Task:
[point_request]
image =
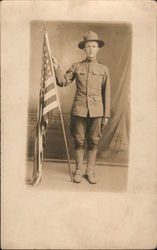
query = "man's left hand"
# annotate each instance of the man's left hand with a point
(104, 121)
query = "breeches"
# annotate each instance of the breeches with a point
(86, 129)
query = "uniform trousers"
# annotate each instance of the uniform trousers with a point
(86, 129)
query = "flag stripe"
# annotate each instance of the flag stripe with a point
(51, 86)
(51, 99)
(49, 81)
(49, 94)
(50, 107)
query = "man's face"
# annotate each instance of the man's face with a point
(91, 49)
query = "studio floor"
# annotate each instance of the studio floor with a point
(56, 177)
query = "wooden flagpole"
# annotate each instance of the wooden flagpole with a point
(38, 151)
(60, 111)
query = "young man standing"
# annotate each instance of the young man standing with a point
(91, 107)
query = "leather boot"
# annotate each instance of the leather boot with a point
(90, 173)
(79, 165)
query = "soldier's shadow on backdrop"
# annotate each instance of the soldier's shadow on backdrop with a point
(116, 55)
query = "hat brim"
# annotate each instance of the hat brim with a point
(81, 45)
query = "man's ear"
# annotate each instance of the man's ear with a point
(84, 50)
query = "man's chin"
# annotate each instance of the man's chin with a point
(91, 57)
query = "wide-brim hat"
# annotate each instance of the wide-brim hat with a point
(90, 36)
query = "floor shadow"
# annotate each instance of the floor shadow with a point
(56, 177)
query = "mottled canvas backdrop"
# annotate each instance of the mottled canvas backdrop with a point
(116, 55)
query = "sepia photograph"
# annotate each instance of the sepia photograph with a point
(78, 124)
(83, 72)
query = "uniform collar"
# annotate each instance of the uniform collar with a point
(90, 61)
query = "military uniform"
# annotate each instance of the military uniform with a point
(91, 104)
(92, 98)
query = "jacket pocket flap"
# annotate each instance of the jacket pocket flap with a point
(97, 72)
(81, 71)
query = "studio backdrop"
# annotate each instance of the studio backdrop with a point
(116, 55)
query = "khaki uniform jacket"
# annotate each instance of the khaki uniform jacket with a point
(92, 88)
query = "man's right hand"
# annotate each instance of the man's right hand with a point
(55, 62)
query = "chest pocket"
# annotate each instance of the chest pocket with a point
(97, 77)
(97, 73)
(81, 76)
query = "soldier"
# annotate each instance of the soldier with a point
(91, 107)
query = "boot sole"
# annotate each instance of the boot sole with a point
(76, 181)
(86, 177)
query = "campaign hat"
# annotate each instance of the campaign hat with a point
(90, 36)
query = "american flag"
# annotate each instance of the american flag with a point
(48, 81)
(48, 101)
